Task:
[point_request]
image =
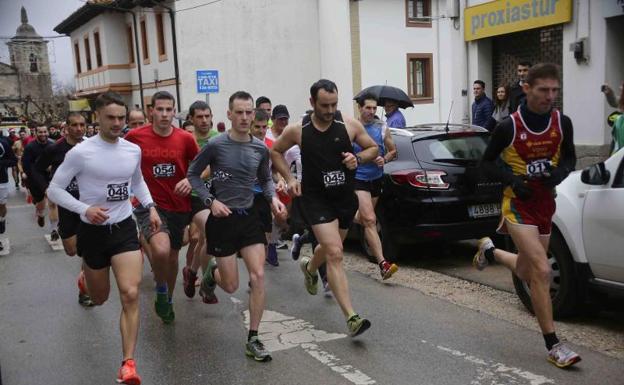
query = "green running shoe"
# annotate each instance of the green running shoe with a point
(208, 283)
(256, 350)
(161, 305)
(311, 280)
(357, 325)
(170, 317)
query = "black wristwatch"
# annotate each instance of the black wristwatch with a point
(358, 159)
(150, 205)
(208, 202)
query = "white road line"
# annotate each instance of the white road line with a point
(492, 373)
(280, 332)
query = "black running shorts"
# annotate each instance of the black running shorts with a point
(227, 235)
(320, 208)
(262, 207)
(197, 205)
(99, 243)
(173, 223)
(69, 222)
(374, 187)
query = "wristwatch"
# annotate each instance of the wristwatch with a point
(358, 159)
(150, 205)
(208, 202)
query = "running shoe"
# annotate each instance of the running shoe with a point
(161, 306)
(170, 317)
(562, 356)
(281, 245)
(327, 289)
(83, 297)
(357, 325)
(386, 269)
(54, 235)
(40, 221)
(295, 249)
(2, 226)
(208, 284)
(311, 280)
(480, 261)
(127, 373)
(271, 257)
(256, 350)
(189, 277)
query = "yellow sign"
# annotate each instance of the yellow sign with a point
(79, 105)
(505, 16)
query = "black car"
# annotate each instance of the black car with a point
(434, 189)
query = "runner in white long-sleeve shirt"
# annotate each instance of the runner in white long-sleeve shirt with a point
(107, 168)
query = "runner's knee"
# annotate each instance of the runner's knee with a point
(368, 219)
(129, 295)
(333, 253)
(257, 278)
(229, 287)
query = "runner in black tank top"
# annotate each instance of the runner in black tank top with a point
(327, 195)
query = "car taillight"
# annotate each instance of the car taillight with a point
(420, 179)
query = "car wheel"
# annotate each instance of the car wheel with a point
(564, 291)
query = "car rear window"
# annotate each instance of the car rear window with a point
(468, 147)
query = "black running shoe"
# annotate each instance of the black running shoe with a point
(40, 221)
(2, 226)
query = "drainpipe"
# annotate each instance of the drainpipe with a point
(175, 53)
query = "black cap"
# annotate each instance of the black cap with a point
(280, 111)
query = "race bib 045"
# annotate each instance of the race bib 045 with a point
(334, 178)
(117, 192)
(163, 170)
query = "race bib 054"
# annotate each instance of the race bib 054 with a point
(163, 170)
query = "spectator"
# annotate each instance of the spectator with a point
(610, 96)
(221, 127)
(516, 93)
(501, 108)
(188, 126)
(394, 117)
(618, 126)
(482, 106)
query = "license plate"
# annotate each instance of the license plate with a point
(484, 210)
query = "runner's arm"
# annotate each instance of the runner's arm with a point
(264, 177)
(281, 145)
(500, 139)
(139, 187)
(63, 176)
(369, 147)
(196, 168)
(9, 159)
(391, 151)
(567, 158)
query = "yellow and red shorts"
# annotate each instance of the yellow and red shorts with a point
(536, 211)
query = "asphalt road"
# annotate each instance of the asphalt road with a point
(47, 338)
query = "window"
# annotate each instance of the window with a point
(145, 48)
(160, 36)
(130, 39)
(420, 77)
(87, 53)
(418, 13)
(98, 51)
(77, 56)
(33, 63)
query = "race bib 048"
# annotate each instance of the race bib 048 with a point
(334, 178)
(163, 170)
(117, 192)
(538, 167)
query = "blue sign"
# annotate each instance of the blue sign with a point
(207, 81)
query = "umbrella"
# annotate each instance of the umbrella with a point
(384, 93)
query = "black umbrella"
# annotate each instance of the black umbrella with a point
(384, 93)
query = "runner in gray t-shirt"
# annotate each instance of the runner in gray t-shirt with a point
(236, 160)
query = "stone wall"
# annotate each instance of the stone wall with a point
(588, 155)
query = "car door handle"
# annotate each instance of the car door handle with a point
(581, 195)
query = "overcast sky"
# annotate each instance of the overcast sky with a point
(43, 15)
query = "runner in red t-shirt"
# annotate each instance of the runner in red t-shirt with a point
(166, 153)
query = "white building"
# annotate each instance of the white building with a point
(278, 48)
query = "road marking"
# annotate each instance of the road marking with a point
(281, 332)
(6, 246)
(491, 373)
